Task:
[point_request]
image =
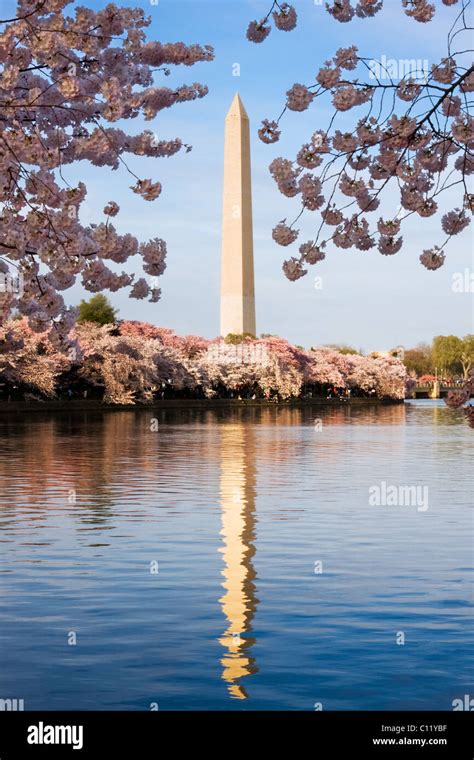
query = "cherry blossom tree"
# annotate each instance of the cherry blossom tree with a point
(461, 399)
(137, 362)
(128, 367)
(66, 80)
(327, 367)
(413, 138)
(189, 345)
(28, 360)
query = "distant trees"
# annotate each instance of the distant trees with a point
(448, 355)
(236, 338)
(343, 348)
(97, 309)
(453, 355)
(446, 350)
(419, 360)
(467, 355)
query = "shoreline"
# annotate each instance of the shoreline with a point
(81, 405)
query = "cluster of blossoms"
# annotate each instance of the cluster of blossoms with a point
(421, 152)
(461, 399)
(345, 10)
(284, 17)
(432, 258)
(28, 359)
(137, 362)
(63, 79)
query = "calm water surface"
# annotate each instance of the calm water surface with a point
(232, 560)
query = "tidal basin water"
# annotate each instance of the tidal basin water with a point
(232, 559)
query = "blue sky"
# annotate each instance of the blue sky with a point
(367, 300)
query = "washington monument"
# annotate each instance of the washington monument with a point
(237, 279)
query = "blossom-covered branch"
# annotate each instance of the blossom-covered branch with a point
(63, 79)
(420, 150)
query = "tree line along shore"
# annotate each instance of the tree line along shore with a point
(131, 362)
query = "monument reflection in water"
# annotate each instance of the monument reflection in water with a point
(89, 500)
(239, 601)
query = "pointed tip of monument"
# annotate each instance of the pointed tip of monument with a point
(237, 108)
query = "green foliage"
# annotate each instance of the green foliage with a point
(447, 350)
(419, 360)
(448, 354)
(97, 309)
(235, 338)
(467, 354)
(343, 348)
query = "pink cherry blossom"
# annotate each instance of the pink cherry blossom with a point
(309, 156)
(285, 19)
(408, 90)
(299, 97)
(310, 188)
(368, 8)
(445, 71)
(111, 209)
(420, 10)
(285, 176)
(345, 97)
(284, 235)
(258, 31)
(332, 216)
(344, 142)
(451, 106)
(346, 58)
(388, 245)
(328, 77)
(147, 189)
(294, 269)
(455, 221)
(341, 10)
(140, 289)
(390, 227)
(432, 258)
(269, 132)
(311, 253)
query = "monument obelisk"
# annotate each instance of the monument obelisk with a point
(237, 279)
